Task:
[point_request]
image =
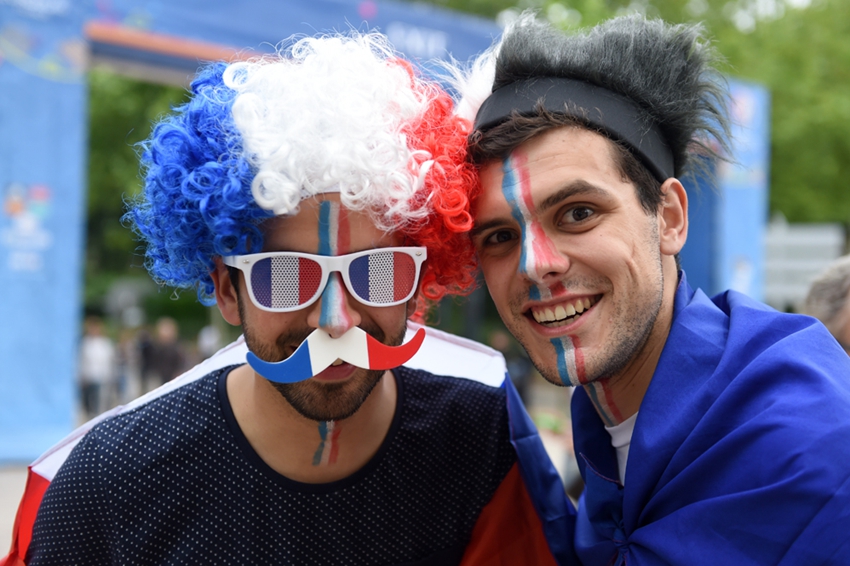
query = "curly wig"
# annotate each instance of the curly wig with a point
(338, 113)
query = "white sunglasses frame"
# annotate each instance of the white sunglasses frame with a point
(329, 264)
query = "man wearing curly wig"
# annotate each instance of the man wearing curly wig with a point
(318, 199)
(707, 430)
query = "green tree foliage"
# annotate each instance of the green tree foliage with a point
(803, 57)
(121, 113)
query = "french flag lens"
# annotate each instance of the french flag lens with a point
(285, 281)
(383, 277)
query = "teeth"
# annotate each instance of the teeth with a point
(561, 312)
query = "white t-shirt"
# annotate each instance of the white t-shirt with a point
(621, 438)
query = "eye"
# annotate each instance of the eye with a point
(499, 237)
(577, 215)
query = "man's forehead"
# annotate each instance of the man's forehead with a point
(324, 225)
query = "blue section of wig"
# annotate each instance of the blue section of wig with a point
(197, 201)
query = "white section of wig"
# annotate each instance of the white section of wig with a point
(330, 111)
(472, 83)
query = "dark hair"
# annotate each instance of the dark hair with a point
(666, 70)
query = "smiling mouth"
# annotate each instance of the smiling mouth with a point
(564, 313)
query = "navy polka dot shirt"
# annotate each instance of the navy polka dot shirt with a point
(176, 482)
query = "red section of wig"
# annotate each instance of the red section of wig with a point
(449, 185)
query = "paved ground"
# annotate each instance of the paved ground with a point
(12, 481)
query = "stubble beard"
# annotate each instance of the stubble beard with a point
(630, 334)
(315, 400)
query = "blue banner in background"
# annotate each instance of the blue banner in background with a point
(44, 50)
(728, 216)
(42, 168)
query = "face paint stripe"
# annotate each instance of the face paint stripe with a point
(609, 402)
(333, 314)
(325, 228)
(320, 451)
(343, 231)
(510, 187)
(561, 354)
(579, 360)
(334, 451)
(593, 392)
(566, 360)
(557, 289)
(532, 231)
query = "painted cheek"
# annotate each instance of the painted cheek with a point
(570, 360)
(539, 255)
(571, 370)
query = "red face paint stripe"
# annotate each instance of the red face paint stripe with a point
(334, 445)
(609, 400)
(558, 289)
(579, 357)
(343, 232)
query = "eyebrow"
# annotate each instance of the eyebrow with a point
(575, 188)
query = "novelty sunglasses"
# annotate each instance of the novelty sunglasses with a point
(289, 281)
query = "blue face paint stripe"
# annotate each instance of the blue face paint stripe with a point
(323, 434)
(325, 228)
(510, 189)
(594, 398)
(561, 354)
(534, 293)
(330, 300)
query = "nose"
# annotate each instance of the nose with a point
(541, 261)
(333, 313)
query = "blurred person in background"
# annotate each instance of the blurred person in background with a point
(97, 368)
(828, 300)
(167, 354)
(708, 430)
(317, 197)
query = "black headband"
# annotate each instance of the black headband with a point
(618, 117)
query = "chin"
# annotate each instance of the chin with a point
(330, 401)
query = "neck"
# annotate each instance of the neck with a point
(618, 397)
(305, 450)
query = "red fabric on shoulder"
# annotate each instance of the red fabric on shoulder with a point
(25, 519)
(508, 531)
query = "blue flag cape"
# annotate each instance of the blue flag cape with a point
(741, 448)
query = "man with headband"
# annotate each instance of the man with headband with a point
(707, 431)
(318, 198)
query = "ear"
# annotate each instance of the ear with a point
(673, 217)
(226, 295)
(412, 305)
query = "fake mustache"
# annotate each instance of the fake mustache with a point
(319, 351)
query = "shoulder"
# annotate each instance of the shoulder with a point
(152, 430)
(453, 397)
